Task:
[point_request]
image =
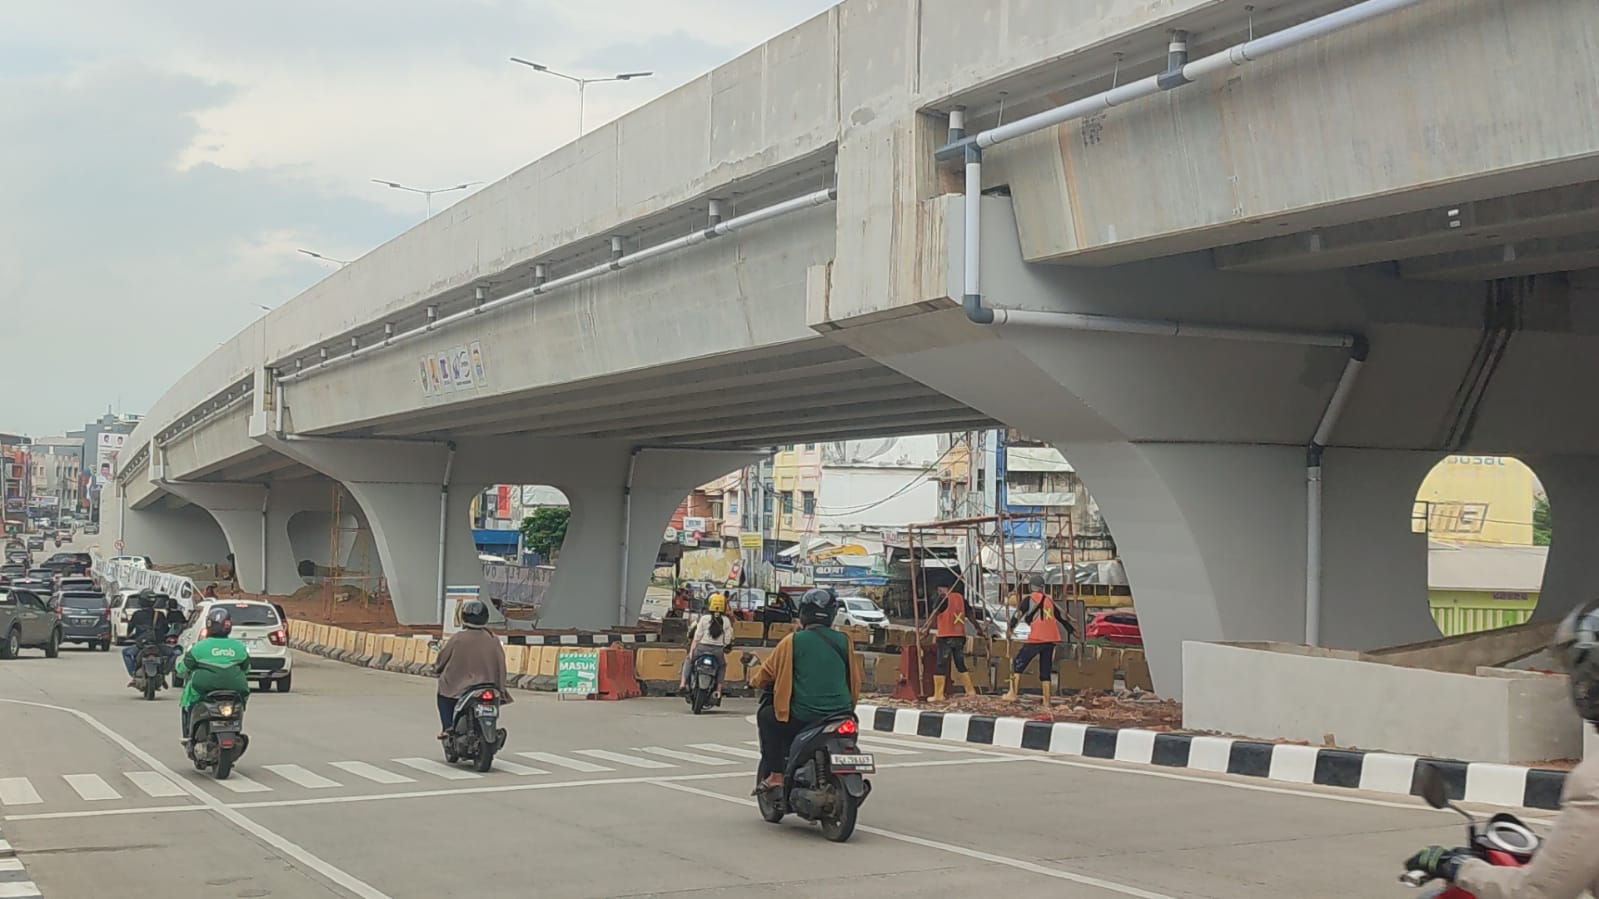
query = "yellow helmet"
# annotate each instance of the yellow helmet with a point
(717, 603)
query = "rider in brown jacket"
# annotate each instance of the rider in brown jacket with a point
(1567, 864)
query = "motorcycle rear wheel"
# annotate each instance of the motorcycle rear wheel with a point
(838, 828)
(225, 763)
(485, 758)
(698, 698)
(150, 684)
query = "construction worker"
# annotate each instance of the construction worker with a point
(949, 622)
(1047, 627)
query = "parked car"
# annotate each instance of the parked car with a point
(26, 621)
(85, 618)
(1115, 627)
(262, 631)
(861, 612)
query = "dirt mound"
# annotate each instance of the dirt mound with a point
(1094, 707)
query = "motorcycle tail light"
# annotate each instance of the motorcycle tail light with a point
(488, 696)
(278, 637)
(847, 727)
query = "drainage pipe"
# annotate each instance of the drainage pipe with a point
(444, 521)
(616, 263)
(627, 532)
(266, 498)
(1313, 516)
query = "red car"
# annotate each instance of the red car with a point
(1115, 627)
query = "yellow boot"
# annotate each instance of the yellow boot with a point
(938, 687)
(1015, 688)
(966, 681)
(1046, 694)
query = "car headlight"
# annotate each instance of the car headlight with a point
(225, 710)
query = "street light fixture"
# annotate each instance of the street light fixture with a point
(425, 192)
(582, 83)
(341, 263)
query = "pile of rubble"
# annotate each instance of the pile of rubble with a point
(1116, 709)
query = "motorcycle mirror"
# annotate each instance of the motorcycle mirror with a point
(1433, 788)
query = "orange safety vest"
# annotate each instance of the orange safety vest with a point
(952, 620)
(1043, 628)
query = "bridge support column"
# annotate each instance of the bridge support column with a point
(1569, 575)
(168, 531)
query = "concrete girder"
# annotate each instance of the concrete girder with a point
(884, 426)
(1524, 257)
(815, 415)
(1559, 211)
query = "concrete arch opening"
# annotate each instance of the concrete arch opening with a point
(1487, 526)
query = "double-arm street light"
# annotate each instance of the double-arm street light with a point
(582, 83)
(425, 192)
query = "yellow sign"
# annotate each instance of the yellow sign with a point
(750, 541)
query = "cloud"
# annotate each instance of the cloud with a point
(170, 157)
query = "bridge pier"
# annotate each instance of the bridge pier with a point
(169, 531)
(1569, 576)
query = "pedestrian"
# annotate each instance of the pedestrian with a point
(949, 624)
(1047, 627)
(210, 591)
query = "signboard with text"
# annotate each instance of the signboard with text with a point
(577, 672)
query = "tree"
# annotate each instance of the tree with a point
(544, 531)
(1542, 524)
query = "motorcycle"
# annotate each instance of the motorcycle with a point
(152, 664)
(475, 733)
(1502, 841)
(702, 693)
(824, 780)
(216, 732)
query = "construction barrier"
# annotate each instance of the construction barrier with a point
(617, 679)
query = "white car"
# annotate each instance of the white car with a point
(123, 605)
(861, 612)
(258, 626)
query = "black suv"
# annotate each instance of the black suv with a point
(69, 564)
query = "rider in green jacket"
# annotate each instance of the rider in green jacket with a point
(214, 662)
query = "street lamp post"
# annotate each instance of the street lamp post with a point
(341, 263)
(427, 193)
(582, 83)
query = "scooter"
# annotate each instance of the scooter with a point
(151, 665)
(1502, 841)
(216, 732)
(824, 780)
(475, 733)
(702, 693)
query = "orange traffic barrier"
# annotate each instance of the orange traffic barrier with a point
(617, 679)
(915, 673)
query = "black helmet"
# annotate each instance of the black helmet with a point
(474, 613)
(1576, 651)
(818, 606)
(218, 623)
(146, 599)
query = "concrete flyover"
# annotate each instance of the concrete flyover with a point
(1252, 268)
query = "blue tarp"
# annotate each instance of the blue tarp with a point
(485, 537)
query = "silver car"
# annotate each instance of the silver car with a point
(26, 620)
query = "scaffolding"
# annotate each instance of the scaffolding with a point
(337, 572)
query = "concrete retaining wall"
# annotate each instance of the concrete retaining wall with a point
(1338, 698)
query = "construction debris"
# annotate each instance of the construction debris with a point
(1122, 708)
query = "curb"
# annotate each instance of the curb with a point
(1482, 782)
(13, 877)
(577, 639)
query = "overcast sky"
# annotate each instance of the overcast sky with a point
(164, 159)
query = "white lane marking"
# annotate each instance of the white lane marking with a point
(19, 889)
(154, 784)
(685, 756)
(438, 769)
(305, 777)
(1018, 864)
(372, 773)
(238, 783)
(91, 787)
(272, 839)
(513, 768)
(561, 761)
(622, 758)
(18, 791)
(463, 791)
(739, 751)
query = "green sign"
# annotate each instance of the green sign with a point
(577, 672)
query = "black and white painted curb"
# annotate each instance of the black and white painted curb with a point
(1484, 782)
(14, 882)
(577, 639)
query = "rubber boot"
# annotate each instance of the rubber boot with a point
(1014, 692)
(966, 681)
(938, 687)
(1046, 694)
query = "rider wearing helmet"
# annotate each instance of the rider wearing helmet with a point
(811, 676)
(471, 657)
(141, 623)
(215, 662)
(1567, 864)
(712, 633)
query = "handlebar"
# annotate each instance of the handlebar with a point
(1414, 878)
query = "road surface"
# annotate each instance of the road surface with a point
(341, 794)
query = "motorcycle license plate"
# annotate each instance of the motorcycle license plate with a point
(862, 763)
(485, 711)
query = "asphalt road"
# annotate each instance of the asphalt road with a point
(337, 797)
